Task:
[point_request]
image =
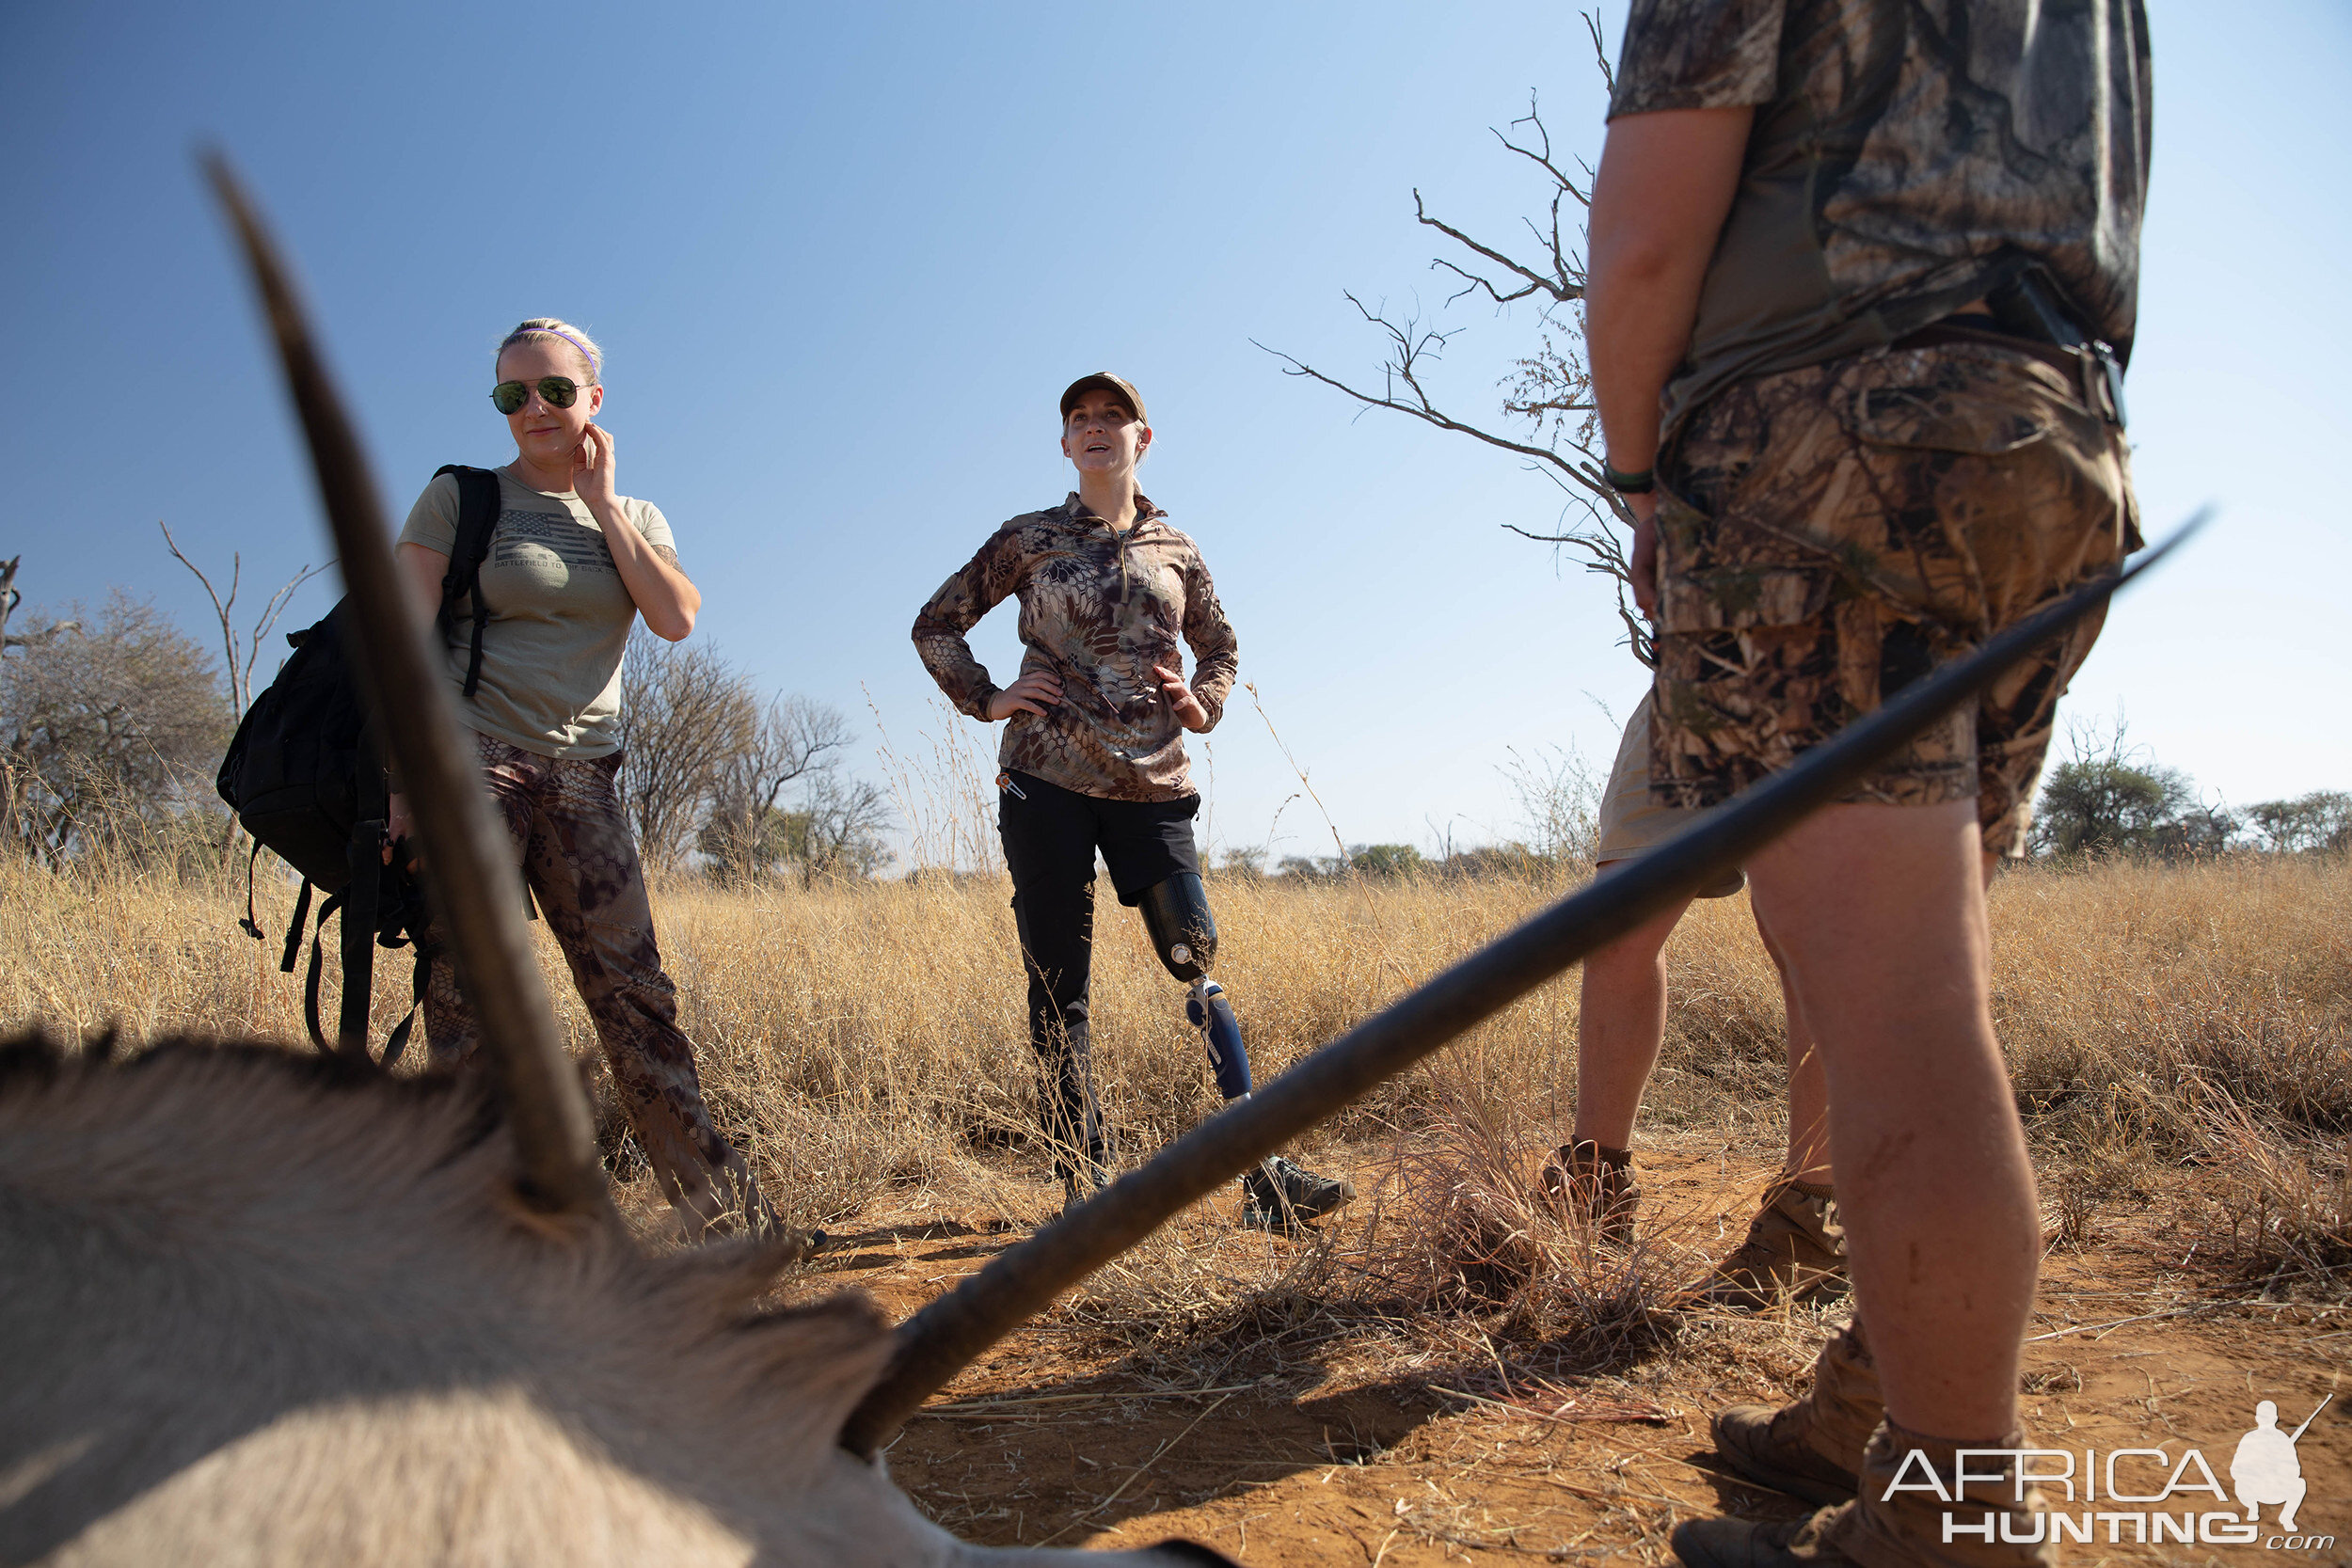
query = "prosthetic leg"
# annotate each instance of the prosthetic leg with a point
(1277, 1195)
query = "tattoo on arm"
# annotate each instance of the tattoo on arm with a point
(666, 554)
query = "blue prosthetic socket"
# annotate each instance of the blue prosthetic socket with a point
(1207, 1011)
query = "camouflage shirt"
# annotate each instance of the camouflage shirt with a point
(1098, 610)
(1907, 156)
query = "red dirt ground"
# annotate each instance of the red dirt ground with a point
(1332, 1441)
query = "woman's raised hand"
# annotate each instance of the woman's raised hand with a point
(1188, 709)
(1023, 695)
(593, 467)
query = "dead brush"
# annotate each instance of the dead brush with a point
(1199, 1303)
(1462, 1228)
(2276, 1211)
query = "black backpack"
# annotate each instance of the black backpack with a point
(305, 775)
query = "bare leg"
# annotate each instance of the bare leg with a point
(1809, 1085)
(1620, 1025)
(1880, 913)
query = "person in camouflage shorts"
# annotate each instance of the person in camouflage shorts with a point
(572, 843)
(1863, 278)
(1829, 533)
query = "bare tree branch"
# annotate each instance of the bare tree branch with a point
(1604, 555)
(240, 669)
(1560, 275)
(1409, 344)
(795, 740)
(1549, 388)
(685, 711)
(10, 599)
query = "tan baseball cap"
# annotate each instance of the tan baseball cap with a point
(1108, 383)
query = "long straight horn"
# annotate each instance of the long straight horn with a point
(946, 1335)
(473, 870)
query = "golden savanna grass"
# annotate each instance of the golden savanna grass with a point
(868, 1036)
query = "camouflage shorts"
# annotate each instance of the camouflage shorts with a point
(1827, 535)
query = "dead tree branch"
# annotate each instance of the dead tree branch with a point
(240, 669)
(1560, 277)
(1549, 388)
(10, 599)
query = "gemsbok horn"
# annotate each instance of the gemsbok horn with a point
(954, 1330)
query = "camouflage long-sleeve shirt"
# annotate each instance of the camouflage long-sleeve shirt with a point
(1098, 610)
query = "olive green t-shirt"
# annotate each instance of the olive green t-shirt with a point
(558, 616)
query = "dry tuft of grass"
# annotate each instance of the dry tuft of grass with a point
(1460, 1225)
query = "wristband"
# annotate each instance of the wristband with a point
(1629, 485)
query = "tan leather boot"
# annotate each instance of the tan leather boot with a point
(1812, 1448)
(1795, 1251)
(1588, 1182)
(1930, 1522)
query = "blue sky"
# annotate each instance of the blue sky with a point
(844, 258)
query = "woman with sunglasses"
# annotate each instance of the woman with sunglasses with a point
(1093, 761)
(571, 564)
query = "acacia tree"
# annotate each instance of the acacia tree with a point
(685, 713)
(709, 765)
(2111, 797)
(747, 831)
(1548, 417)
(104, 725)
(837, 830)
(2319, 820)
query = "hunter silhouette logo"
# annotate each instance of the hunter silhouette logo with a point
(2267, 1471)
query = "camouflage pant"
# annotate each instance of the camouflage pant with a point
(1827, 535)
(572, 841)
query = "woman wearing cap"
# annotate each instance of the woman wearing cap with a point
(571, 564)
(1093, 759)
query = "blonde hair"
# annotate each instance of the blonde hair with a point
(549, 326)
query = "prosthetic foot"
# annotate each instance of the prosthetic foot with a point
(1277, 1196)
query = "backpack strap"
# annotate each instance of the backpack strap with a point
(360, 900)
(478, 502)
(249, 926)
(419, 978)
(295, 927)
(311, 986)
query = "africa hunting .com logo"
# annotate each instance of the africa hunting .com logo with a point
(2266, 1471)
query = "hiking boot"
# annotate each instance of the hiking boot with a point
(1813, 1448)
(1721, 1542)
(1589, 1183)
(1914, 1526)
(1279, 1196)
(1795, 1251)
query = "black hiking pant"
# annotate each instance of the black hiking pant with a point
(1051, 836)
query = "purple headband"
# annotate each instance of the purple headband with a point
(522, 332)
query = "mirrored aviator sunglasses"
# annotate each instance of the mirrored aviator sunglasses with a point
(561, 391)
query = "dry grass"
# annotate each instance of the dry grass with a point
(865, 1039)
